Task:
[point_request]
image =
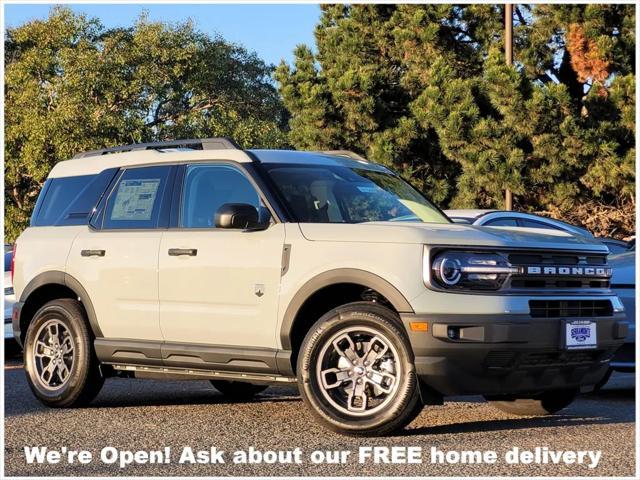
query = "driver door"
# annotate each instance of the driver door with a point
(217, 287)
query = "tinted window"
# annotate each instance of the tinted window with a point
(207, 188)
(80, 210)
(501, 222)
(59, 193)
(533, 224)
(136, 199)
(342, 194)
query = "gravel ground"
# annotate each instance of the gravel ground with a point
(148, 415)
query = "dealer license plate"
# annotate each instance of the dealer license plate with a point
(580, 334)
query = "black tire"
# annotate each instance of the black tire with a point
(238, 390)
(545, 403)
(84, 379)
(396, 409)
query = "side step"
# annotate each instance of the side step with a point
(175, 373)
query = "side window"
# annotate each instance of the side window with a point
(207, 188)
(533, 224)
(501, 222)
(59, 194)
(136, 199)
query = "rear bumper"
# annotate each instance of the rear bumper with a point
(508, 353)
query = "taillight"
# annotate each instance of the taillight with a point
(13, 261)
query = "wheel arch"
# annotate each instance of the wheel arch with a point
(340, 279)
(48, 286)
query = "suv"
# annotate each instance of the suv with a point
(196, 259)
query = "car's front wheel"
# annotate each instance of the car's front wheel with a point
(61, 366)
(355, 371)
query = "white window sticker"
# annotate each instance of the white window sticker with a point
(134, 199)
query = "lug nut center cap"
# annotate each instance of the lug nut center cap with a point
(359, 370)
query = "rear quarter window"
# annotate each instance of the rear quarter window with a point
(57, 195)
(70, 200)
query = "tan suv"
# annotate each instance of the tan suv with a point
(195, 259)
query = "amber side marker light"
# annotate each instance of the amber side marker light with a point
(419, 326)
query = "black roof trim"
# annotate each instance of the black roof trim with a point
(218, 143)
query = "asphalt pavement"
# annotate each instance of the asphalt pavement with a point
(133, 415)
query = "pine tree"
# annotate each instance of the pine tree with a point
(425, 90)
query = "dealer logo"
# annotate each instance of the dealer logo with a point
(580, 334)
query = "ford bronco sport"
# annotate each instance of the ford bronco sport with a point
(249, 268)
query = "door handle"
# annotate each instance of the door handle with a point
(92, 253)
(177, 252)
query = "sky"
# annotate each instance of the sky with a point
(272, 31)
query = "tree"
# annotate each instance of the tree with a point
(72, 85)
(424, 89)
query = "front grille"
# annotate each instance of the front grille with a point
(552, 359)
(556, 259)
(570, 308)
(499, 359)
(559, 271)
(542, 283)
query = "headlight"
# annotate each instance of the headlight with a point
(458, 270)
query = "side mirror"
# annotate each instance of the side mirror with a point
(241, 216)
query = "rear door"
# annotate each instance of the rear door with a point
(116, 258)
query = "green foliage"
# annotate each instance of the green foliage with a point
(71, 85)
(425, 90)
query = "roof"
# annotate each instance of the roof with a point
(93, 164)
(96, 164)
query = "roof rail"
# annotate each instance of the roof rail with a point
(219, 143)
(345, 153)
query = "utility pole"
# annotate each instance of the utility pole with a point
(508, 54)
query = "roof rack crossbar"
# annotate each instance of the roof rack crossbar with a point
(345, 153)
(218, 143)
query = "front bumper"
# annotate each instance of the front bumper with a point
(508, 353)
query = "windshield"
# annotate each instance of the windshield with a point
(340, 194)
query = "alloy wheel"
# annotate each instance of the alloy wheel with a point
(358, 371)
(52, 354)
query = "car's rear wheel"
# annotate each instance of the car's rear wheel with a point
(356, 373)
(61, 366)
(238, 390)
(545, 403)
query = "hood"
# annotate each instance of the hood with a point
(448, 234)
